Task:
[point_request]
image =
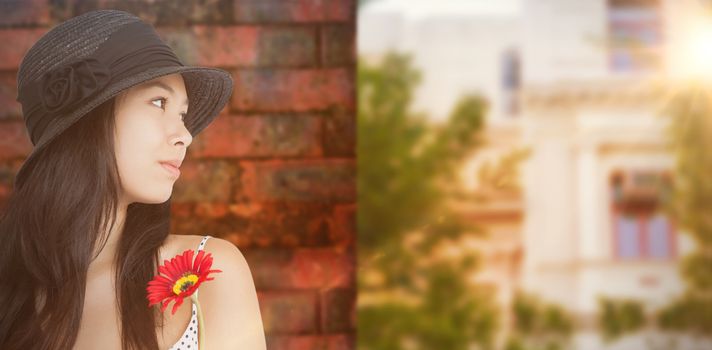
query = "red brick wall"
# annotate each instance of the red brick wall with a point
(275, 172)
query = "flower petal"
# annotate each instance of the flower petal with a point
(195, 263)
(178, 263)
(162, 288)
(206, 263)
(178, 302)
(168, 270)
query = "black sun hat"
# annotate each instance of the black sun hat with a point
(90, 58)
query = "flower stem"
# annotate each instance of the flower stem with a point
(201, 322)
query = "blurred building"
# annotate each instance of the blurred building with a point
(596, 183)
(579, 83)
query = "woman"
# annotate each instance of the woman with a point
(111, 111)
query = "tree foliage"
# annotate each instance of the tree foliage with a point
(416, 297)
(538, 325)
(690, 113)
(620, 316)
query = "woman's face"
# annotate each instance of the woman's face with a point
(149, 131)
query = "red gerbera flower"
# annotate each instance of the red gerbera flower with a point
(182, 277)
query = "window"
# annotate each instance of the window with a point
(641, 230)
(635, 35)
(510, 81)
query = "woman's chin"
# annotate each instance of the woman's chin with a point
(157, 197)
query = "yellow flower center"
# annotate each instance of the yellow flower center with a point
(184, 283)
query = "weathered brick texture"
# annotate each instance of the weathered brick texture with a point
(275, 173)
(295, 90)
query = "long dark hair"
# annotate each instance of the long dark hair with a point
(53, 222)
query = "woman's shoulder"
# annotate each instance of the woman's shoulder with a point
(230, 297)
(217, 247)
(226, 256)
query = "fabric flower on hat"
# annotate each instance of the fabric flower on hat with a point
(183, 276)
(63, 88)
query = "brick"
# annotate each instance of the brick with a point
(340, 133)
(276, 11)
(343, 225)
(338, 45)
(156, 12)
(16, 43)
(281, 224)
(9, 107)
(288, 311)
(23, 13)
(243, 46)
(260, 136)
(14, 140)
(299, 180)
(207, 217)
(209, 180)
(287, 46)
(181, 216)
(340, 10)
(338, 310)
(183, 43)
(296, 90)
(211, 210)
(311, 342)
(214, 46)
(181, 210)
(239, 240)
(8, 170)
(322, 268)
(200, 225)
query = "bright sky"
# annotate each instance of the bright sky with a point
(416, 9)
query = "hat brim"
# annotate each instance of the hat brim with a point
(208, 90)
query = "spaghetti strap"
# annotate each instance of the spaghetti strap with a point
(200, 247)
(202, 243)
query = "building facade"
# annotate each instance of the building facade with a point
(596, 76)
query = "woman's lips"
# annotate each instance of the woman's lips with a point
(175, 172)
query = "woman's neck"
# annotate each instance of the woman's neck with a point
(108, 252)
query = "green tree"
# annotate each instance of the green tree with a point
(538, 325)
(411, 297)
(690, 113)
(619, 316)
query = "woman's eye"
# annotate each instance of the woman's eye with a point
(163, 106)
(163, 99)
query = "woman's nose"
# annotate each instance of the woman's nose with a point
(183, 134)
